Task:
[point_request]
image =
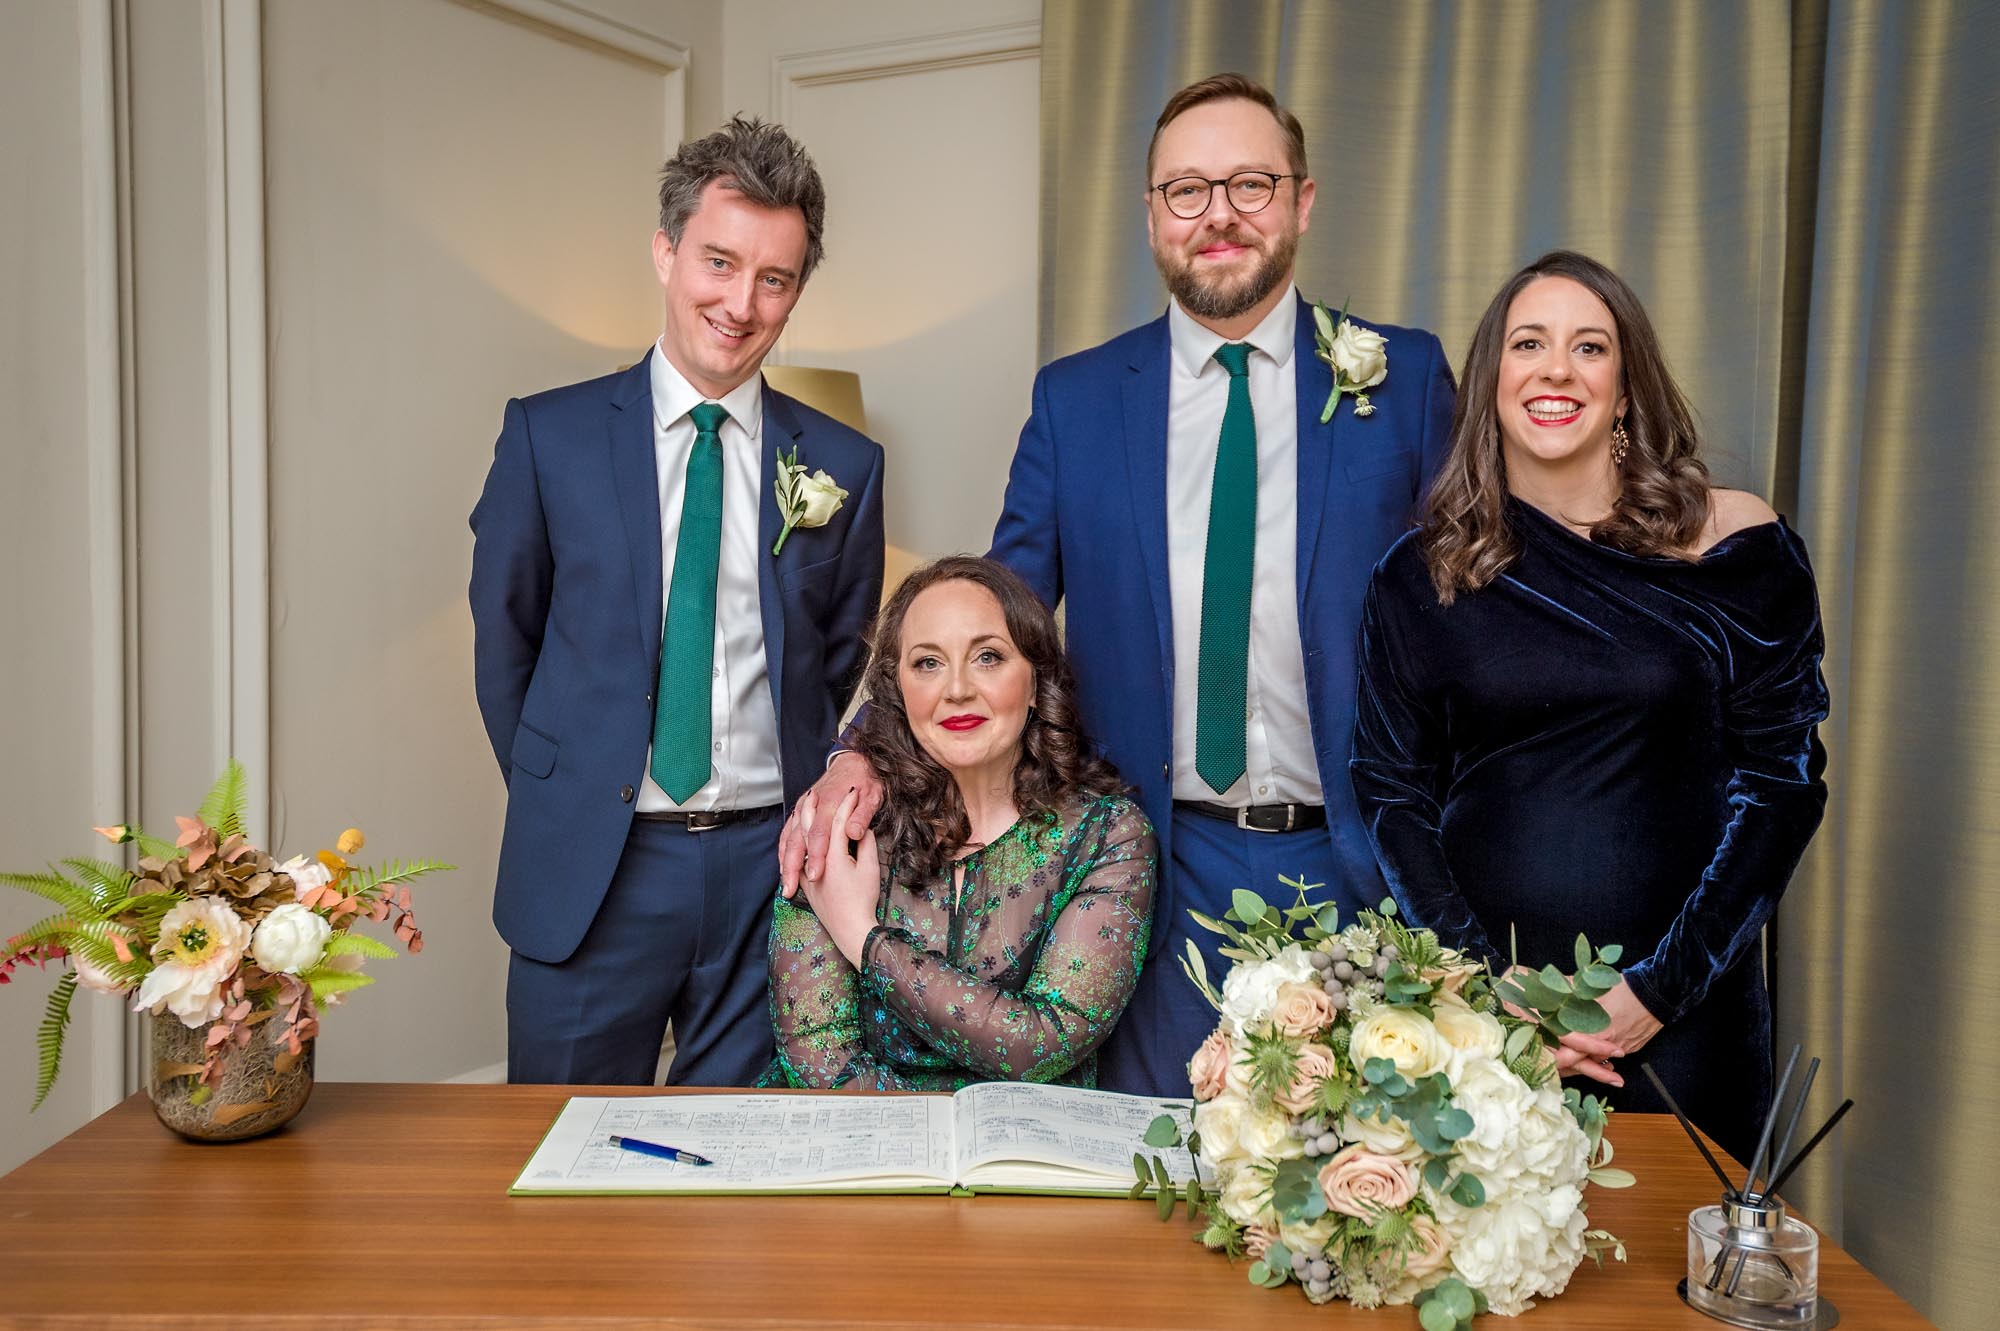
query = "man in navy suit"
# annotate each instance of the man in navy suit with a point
(656, 682)
(1213, 539)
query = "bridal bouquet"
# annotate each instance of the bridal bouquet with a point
(213, 930)
(1381, 1118)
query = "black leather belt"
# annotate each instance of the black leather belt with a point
(701, 820)
(1261, 817)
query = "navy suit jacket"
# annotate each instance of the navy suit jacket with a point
(1085, 519)
(566, 614)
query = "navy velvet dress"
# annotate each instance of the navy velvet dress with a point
(1612, 744)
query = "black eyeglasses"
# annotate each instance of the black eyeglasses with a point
(1248, 192)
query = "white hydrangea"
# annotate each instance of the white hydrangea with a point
(1520, 1247)
(1250, 991)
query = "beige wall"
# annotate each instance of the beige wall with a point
(924, 118)
(306, 252)
(54, 759)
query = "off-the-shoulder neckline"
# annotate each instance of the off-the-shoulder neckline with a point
(1724, 546)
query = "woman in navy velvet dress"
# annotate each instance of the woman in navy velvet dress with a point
(1589, 691)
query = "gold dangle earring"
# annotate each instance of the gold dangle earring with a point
(1621, 443)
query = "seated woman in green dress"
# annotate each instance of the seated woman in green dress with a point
(991, 927)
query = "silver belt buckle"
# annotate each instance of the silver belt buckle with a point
(703, 820)
(1291, 818)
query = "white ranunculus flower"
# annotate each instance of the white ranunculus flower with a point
(290, 939)
(1402, 1035)
(1250, 991)
(1360, 354)
(1220, 1124)
(201, 942)
(307, 875)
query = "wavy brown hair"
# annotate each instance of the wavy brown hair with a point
(923, 823)
(1663, 494)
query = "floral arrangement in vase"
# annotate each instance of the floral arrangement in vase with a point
(1378, 1119)
(237, 946)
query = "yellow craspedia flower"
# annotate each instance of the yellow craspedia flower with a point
(350, 841)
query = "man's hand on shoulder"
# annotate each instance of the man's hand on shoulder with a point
(802, 845)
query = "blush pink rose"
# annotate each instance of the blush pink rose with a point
(1359, 1183)
(1257, 1240)
(1432, 1252)
(1208, 1070)
(1302, 1009)
(1315, 1065)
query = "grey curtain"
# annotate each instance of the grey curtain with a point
(1804, 196)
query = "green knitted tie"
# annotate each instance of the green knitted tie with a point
(681, 728)
(1221, 687)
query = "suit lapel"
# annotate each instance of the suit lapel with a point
(1146, 391)
(1316, 448)
(781, 432)
(635, 470)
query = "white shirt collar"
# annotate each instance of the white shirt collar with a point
(1194, 346)
(674, 397)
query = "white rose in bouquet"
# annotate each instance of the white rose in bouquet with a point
(1219, 1122)
(290, 939)
(307, 875)
(1250, 991)
(1245, 1196)
(1268, 1136)
(1470, 1034)
(1392, 1139)
(1403, 1036)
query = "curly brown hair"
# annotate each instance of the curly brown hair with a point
(923, 823)
(1663, 497)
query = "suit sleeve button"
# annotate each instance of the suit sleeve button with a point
(626, 794)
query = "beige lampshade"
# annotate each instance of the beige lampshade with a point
(835, 392)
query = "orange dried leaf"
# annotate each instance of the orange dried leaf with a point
(224, 1115)
(166, 1070)
(260, 1016)
(284, 1062)
(216, 1035)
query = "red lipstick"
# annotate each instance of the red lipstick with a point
(966, 722)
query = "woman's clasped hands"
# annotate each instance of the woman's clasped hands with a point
(845, 894)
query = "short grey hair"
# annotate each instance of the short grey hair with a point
(758, 160)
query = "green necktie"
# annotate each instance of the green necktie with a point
(1221, 686)
(681, 729)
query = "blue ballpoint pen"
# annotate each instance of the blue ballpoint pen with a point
(663, 1152)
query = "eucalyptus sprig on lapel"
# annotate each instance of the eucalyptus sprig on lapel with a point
(804, 501)
(1359, 357)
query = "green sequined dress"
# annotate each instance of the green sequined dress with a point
(1021, 980)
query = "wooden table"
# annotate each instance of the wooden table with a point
(386, 1206)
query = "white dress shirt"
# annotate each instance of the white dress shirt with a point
(1280, 766)
(743, 722)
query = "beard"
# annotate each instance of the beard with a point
(1225, 297)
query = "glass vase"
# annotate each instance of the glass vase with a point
(1752, 1265)
(261, 1088)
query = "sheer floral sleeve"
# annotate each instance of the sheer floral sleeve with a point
(816, 1009)
(1020, 978)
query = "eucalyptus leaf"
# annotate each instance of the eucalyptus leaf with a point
(1586, 1016)
(1166, 1205)
(1454, 1123)
(1138, 1190)
(1162, 1132)
(1160, 1175)
(1434, 1316)
(1610, 952)
(1468, 1191)
(1258, 1271)
(1517, 1041)
(1247, 905)
(1457, 1299)
(1436, 1170)
(1600, 975)
(1582, 952)
(1554, 979)
(1607, 1177)
(1139, 1168)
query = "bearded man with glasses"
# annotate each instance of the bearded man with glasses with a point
(1213, 539)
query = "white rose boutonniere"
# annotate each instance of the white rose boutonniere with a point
(1359, 357)
(804, 501)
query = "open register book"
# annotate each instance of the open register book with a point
(989, 1137)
